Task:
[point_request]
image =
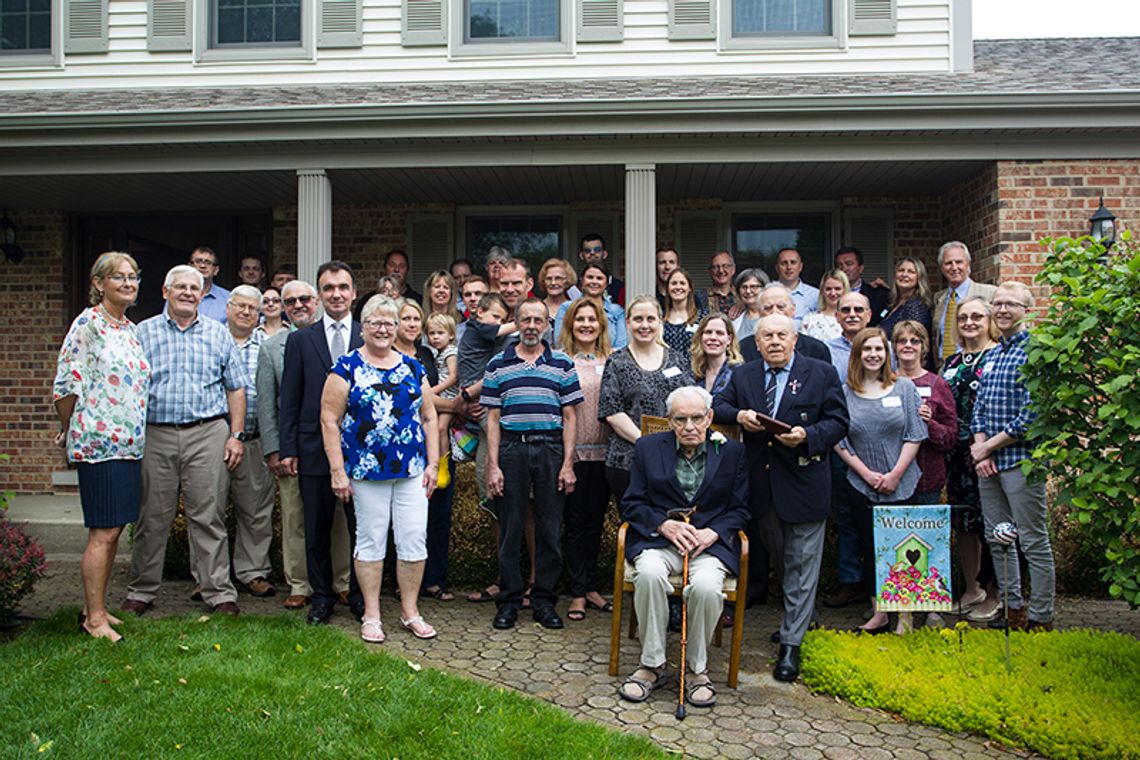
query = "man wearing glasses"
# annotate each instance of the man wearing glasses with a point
(720, 296)
(592, 249)
(214, 296)
(1002, 415)
(954, 261)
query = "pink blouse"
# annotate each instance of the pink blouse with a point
(592, 433)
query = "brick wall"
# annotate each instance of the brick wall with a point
(917, 226)
(33, 312)
(970, 214)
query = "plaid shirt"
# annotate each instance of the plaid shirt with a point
(191, 369)
(1003, 404)
(249, 351)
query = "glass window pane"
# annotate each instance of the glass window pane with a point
(40, 6)
(259, 24)
(13, 6)
(231, 25)
(14, 32)
(534, 238)
(513, 19)
(288, 24)
(39, 31)
(758, 238)
(782, 17)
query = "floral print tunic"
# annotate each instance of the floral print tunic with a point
(381, 434)
(102, 364)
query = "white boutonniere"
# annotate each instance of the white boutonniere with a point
(717, 439)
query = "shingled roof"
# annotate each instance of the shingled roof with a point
(1022, 67)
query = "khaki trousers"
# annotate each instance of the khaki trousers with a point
(704, 596)
(251, 490)
(293, 541)
(187, 461)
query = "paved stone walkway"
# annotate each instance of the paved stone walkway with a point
(762, 718)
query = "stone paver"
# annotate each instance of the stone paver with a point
(761, 718)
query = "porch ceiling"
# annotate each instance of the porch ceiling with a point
(481, 186)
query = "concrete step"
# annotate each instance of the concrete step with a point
(57, 523)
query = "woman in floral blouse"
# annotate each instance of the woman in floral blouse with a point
(375, 409)
(100, 393)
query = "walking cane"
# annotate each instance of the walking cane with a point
(1005, 534)
(683, 514)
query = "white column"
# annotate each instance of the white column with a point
(314, 222)
(640, 229)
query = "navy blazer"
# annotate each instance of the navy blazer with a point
(307, 365)
(796, 482)
(721, 499)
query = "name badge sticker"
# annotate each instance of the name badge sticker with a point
(670, 372)
(600, 369)
(891, 402)
(924, 391)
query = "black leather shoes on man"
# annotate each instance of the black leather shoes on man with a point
(547, 617)
(319, 614)
(788, 664)
(505, 617)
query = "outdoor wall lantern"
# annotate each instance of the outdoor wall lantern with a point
(12, 252)
(1102, 225)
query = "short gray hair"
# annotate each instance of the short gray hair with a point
(500, 254)
(294, 284)
(246, 291)
(953, 244)
(751, 274)
(688, 390)
(379, 303)
(783, 318)
(182, 269)
(775, 287)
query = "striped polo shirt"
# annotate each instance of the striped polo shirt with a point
(530, 397)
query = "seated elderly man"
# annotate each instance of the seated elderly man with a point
(683, 470)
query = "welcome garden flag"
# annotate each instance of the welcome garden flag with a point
(912, 558)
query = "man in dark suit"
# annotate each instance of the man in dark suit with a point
(685, 469)
(309, 355)
(790, 474)
(849, 259)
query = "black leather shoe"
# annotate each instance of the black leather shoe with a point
(547, 617)
(674, 615)
(319, 614)
(788, 665)
(505, 618)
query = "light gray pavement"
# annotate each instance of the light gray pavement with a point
(762, 718)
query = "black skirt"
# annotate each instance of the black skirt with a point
(110, 492)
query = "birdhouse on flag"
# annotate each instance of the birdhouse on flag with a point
(912, 550)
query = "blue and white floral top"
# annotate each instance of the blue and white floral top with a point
(381, 434)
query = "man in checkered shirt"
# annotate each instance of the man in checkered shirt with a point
(1002, 415)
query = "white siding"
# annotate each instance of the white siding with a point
(921, 45)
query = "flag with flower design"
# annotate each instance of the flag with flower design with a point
(912, 558)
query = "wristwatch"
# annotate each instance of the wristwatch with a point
(241, 436)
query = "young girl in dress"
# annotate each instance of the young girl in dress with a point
(441, 337)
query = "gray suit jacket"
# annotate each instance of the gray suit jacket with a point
(270, 366)
(939, 315)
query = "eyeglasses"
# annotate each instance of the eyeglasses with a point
(119, 279)
(681, 420)
(721, 267)
(850, 309)
(380, 324)
(910, 341)
(293, 300)
(243, 307)
(1008, 305)
(270, 300)
(749, 287)
(967, 317)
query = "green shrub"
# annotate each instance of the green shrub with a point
(1072, 694)
(1083, 374)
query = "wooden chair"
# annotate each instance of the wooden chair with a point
(735, 589)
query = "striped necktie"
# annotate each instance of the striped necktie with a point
(770, 392)
(950, 327)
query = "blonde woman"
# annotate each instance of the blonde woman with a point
(824, 324)
(909, 297)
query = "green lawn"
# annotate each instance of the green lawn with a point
(264, 687)
(1072, 694)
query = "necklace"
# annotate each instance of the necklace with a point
(113, 319)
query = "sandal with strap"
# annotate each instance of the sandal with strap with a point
(419, 627)
(438, 592)
(697, 684)
(371, 631)
(641, 684)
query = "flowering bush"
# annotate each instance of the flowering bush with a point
(22, 561)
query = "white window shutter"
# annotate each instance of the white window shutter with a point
(430, 245)
(692, 19)
(872, 17)
(424, 22)
(872, 231)
(697, 238)
(168, 25)
(601, 20)
(339, 24)
(85, 26)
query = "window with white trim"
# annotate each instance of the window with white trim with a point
(25, 27)
(781, 18)
(512, 20)
(245, 23)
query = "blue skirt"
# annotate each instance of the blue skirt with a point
(110, 492)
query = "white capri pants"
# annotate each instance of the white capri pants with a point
(401, 503)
